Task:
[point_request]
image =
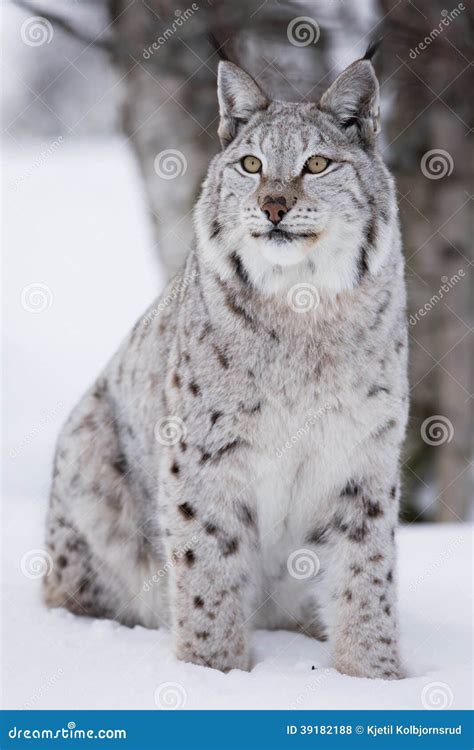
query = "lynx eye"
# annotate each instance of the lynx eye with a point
(316, 164)
(251, 164)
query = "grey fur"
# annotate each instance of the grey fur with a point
(231, 431)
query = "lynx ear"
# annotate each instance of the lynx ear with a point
(353, 99)
(239, 98)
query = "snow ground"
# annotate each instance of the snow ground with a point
(75, 224)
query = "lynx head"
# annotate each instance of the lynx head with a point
(299, 191)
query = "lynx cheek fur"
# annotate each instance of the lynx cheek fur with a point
(251, 424)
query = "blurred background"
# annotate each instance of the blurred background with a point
(109, 121)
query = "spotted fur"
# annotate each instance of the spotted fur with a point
(232, 431)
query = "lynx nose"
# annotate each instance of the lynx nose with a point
(275, 208)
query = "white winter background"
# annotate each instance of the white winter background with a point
(80, 267)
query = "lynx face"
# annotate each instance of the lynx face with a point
(299, 190)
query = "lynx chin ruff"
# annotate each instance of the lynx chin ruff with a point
(236, 464)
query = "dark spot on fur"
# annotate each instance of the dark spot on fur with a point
(393, 492)
(215, 416)
(227, 448)
(357, 533)
(176, 380)
(198, 602)
(205, 331)
(377, 581)
(319, 535)
(120, 464)
(339, 524)
(246, 515)
(215, 229)
(250, 409)
(376, 558)
(362, 263)
(387, 610)
(387, 296)
(187, 511)
(274, 335)
(84, 585)
(386, 427)
(351, 489)
(390, 576)
(101, 387)
(356, 570)
(62, 561)
(387, 641)
(236, 308)
(375, 389)
(348, 595)
(372, 509)
(239, 268)
(194, 388)
(221, 358)
(189, 557)
(210, 528)
(174, 467)
(229, 546)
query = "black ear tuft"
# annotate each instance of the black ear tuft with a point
(373, 48)
(218, 48)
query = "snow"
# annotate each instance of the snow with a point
(76, 224)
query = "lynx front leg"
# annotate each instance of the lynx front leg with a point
(211, 542)
(364, 624)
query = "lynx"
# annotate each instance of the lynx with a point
(236, 465)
